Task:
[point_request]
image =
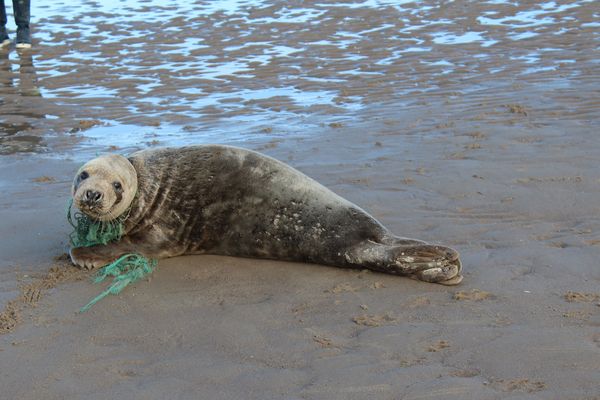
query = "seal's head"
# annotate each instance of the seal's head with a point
(104, 187)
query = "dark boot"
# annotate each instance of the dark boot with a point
(21, 9)
(4, 40)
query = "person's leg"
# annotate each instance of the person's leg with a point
(22, 15)
(3, 34)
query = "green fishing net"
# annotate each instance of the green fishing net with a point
(88, 232)
(126, 269)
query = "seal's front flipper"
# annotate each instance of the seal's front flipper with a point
(97, 256)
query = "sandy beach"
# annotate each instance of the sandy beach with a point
(473, 125)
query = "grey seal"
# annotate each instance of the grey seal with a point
(223, 200)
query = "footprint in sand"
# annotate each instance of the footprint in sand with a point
(519, 385)
(438, 346)
(373, 320)
(473, 295)
(578, 297)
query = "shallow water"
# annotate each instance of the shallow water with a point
(228, 71)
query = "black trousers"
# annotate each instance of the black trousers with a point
(21, 9)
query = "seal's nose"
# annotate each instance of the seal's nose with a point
(92, 196)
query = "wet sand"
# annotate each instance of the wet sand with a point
(490, 148)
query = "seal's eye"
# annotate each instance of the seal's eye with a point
(117, 186)
(84, 175)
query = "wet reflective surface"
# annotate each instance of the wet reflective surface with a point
(19, 95)
(231, 70)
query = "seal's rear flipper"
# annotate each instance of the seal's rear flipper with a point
(421, 261)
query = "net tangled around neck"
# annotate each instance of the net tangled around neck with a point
(128, 268)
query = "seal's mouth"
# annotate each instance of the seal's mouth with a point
(91, 211)
(94, 205)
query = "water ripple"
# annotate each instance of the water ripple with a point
(255, 63)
